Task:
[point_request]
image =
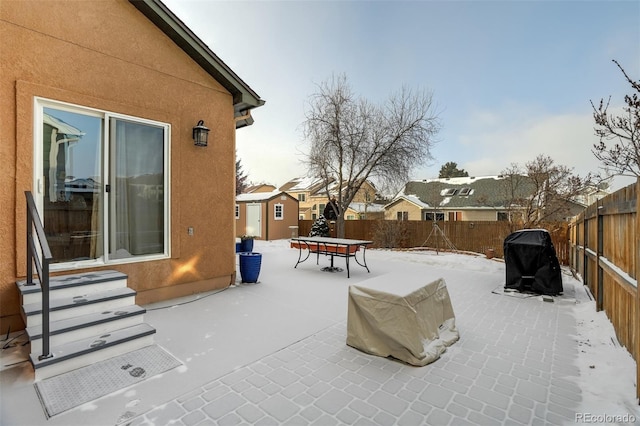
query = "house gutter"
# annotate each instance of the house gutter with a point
(244, 97)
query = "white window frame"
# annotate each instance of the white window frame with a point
(39, 103)
(402, 215)
(278, 215)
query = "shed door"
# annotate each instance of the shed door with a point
(254, 220)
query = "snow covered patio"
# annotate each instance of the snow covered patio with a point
(275, 353)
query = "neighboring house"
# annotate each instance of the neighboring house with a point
(99, 101)
(593, 194)
(263, 187)
(303, 189)
(312, 197)
(266, 215)
(364, 211)
(463, 198)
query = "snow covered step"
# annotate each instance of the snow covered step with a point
(70, 285)
(69, 307)
(81, 353)
(85, 326)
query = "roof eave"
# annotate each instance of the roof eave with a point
(244, 98)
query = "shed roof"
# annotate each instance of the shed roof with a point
(244, 98)
(261, 196)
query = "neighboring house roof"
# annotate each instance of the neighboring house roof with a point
(261, 196)
(315, 186)
(244, 98)
(303, 184)
(263, 187)
(367, 207)
(462, 193)
(409, 198)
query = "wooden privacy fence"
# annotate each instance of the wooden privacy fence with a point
(604, 244)
(478, 237)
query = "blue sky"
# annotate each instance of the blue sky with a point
(510, 79)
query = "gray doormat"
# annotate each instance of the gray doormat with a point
(65, 391)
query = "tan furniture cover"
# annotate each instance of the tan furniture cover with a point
(415, 326)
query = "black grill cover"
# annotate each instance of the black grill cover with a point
(531, 263)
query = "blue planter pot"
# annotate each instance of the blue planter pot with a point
(238, 247)
(250, 266)
(246, 245)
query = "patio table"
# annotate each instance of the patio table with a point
(340, 247)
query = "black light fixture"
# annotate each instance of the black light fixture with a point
(200, 134)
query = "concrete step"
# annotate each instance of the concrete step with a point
(71, 285)
(69, 307)
(84, 326)
(81, 353)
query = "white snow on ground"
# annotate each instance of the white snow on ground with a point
(608, 372)
(293, 312)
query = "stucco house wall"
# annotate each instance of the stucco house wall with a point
(109, 56)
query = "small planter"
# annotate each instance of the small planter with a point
(246, 245)
(250, 266)
(238, 247)
(490, 253)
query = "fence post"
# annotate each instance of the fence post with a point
(599, 251)
(585, 255)
(637, 315)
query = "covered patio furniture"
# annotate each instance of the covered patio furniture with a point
(392, 316)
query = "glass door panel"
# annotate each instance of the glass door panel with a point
(71, 184)
(136, 193)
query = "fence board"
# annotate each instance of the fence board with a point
(604, 244)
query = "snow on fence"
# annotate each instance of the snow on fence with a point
(604, 243)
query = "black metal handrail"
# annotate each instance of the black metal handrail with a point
(42, 266)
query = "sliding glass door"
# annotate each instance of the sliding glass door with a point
(101, 184)
(137, 212)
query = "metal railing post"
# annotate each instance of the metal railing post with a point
(29, 252)
(42, 267)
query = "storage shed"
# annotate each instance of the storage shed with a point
(266, 215)
(531, 263)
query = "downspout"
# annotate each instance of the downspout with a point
(242, 117)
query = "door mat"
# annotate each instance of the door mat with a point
(69, 390)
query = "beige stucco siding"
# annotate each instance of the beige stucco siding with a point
(415, 213)
(107, 55)
(479, 215)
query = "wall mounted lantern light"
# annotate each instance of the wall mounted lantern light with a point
(200, 134)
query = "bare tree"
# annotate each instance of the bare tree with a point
(353, 140)
(619, 147)
(542, 191)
